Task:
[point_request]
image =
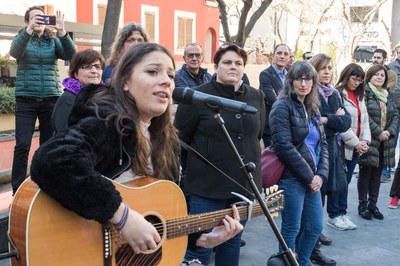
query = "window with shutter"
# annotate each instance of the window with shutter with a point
(185, 30)
(150, 25)
(102, 13)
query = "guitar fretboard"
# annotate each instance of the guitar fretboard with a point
(198, 222)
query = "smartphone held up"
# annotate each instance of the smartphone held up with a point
(48, 20)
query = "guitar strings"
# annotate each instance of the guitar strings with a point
(180, 224)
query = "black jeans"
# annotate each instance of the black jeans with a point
(27, 110)
(369, 182)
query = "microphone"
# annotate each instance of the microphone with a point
(190, 96)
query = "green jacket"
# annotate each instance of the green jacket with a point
(37, 72)
(371, 158)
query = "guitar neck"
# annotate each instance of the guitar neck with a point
(199, 222)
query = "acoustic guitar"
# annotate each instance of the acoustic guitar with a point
(46, 234)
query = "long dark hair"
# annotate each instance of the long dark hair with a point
(352, 69)
(164, 144)
(298, 70)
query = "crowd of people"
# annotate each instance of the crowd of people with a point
(116, 118)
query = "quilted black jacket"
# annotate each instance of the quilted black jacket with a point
(289, 127)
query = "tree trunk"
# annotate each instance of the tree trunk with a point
(110, 28)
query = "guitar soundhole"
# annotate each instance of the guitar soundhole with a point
(125, 256)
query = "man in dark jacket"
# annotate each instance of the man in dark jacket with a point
(192, 74)
(271, 82)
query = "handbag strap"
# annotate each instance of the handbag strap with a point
(207, 162)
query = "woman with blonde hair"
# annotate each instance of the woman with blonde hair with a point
(131, 34)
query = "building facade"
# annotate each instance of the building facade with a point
(172, 23)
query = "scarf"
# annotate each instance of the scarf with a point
(380, 94)
(74, 85)
(325, 91)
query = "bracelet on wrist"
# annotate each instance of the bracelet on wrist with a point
(123, 219)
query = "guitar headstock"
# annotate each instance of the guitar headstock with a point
(275, 200)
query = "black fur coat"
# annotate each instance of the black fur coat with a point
(70, 165)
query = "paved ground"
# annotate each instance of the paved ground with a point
(372, 243)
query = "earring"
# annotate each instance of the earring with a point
(126, 88)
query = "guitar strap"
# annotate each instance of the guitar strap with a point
(204, 160)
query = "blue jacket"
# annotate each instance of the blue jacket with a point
(37, 73)
(289, 127)
(183, 77)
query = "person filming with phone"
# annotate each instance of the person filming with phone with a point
(37, 89)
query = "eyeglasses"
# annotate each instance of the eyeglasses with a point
(90, 66)
(307, 80)
(359, 81)
(197, 55)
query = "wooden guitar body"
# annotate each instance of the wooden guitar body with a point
(46, 234)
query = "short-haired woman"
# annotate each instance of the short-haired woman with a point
(208, 189)
(86, 68)
(37, 50)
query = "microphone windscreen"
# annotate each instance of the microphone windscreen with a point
(183, 95)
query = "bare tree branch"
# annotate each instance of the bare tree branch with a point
(323, 13)
(240, 38)
(255, 17)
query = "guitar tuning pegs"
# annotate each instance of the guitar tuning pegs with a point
(275, 188)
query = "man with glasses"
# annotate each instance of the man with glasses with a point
(379, 58)
(271, 82)
(192, 74)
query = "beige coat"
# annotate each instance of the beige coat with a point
(349, 137)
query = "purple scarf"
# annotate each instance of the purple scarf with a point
(325, 91)
(73, 85)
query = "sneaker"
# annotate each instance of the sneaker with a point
(385, 178)
(393, 202)
(338, 223)
(348, 222)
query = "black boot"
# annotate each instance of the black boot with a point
(364, 212)
(324, 240)
(318, 258)
(375, 212)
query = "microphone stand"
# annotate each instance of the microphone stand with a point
(287, 253)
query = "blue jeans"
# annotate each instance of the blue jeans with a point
(337, 201)
(301, 206)
(27, 110)
(228, 252)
